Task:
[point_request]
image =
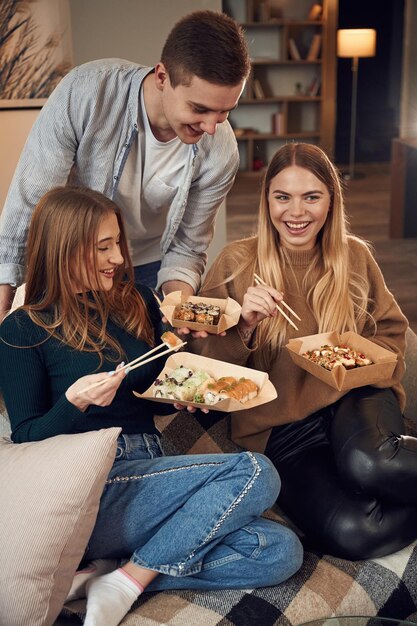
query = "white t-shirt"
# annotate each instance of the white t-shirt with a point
(147, 187)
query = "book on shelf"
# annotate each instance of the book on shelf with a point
(278, 123)
(258, 90)
(315, 12)
(314, 87)
(293, 49)
(263, 13)
(314, 50)
(241, 132)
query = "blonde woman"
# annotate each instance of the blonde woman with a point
(349, 475)
(183, 522)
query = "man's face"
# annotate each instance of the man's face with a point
(194, 109)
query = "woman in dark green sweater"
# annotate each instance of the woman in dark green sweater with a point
(178, 522)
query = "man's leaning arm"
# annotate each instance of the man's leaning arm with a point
(177, 285)
(6, 298)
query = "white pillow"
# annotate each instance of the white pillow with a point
(49, 497)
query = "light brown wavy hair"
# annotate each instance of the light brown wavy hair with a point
(337, 297)
(62, 234)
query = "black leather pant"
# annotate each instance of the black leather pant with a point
(349, 475)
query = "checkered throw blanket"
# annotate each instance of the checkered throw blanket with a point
(323, 587)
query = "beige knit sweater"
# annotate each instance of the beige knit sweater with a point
(299, 393)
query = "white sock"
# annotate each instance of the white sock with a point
(82, 576)
(110, 597)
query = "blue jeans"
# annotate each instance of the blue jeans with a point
(195, 518)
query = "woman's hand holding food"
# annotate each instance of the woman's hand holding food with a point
(81, 396)
(190, 408)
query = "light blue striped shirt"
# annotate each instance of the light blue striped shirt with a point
(85, 130)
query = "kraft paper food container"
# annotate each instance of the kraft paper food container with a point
(217, 369)
(384, 361)
(229, 312)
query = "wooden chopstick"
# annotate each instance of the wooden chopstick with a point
(140, 358)
(138, 362)
(259, 281)
(290, 310)
(153, 357)
(157, 298)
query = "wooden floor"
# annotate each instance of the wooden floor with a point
(368, 206)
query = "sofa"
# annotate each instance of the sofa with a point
(324, 586)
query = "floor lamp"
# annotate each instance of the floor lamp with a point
(355, 43)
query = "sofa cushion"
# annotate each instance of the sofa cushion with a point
(50, 492)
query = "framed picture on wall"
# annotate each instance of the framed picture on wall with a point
(35, 50)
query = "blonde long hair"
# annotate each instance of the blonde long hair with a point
(62, 234)
(337, 297)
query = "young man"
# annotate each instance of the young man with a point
(155, 140)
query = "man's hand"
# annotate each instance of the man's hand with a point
(197, 334)
(177, 285)
(6, 298)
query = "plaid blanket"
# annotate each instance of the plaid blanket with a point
(323, 587)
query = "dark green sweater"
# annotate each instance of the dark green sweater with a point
(34, 380)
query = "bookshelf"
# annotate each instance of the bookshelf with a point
(291, 93)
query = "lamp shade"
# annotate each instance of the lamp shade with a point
(356, 42)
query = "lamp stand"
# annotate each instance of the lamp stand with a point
(350, 174)
(355, 43)
(355, 63)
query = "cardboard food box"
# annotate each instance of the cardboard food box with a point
(229, 312)
(216, 369)
(384, 361)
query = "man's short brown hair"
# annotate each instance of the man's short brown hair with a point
(207, 44)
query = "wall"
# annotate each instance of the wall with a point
(128, 29)
(14, 128)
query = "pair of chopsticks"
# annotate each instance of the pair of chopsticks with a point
(138, 362)
(259, 281)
